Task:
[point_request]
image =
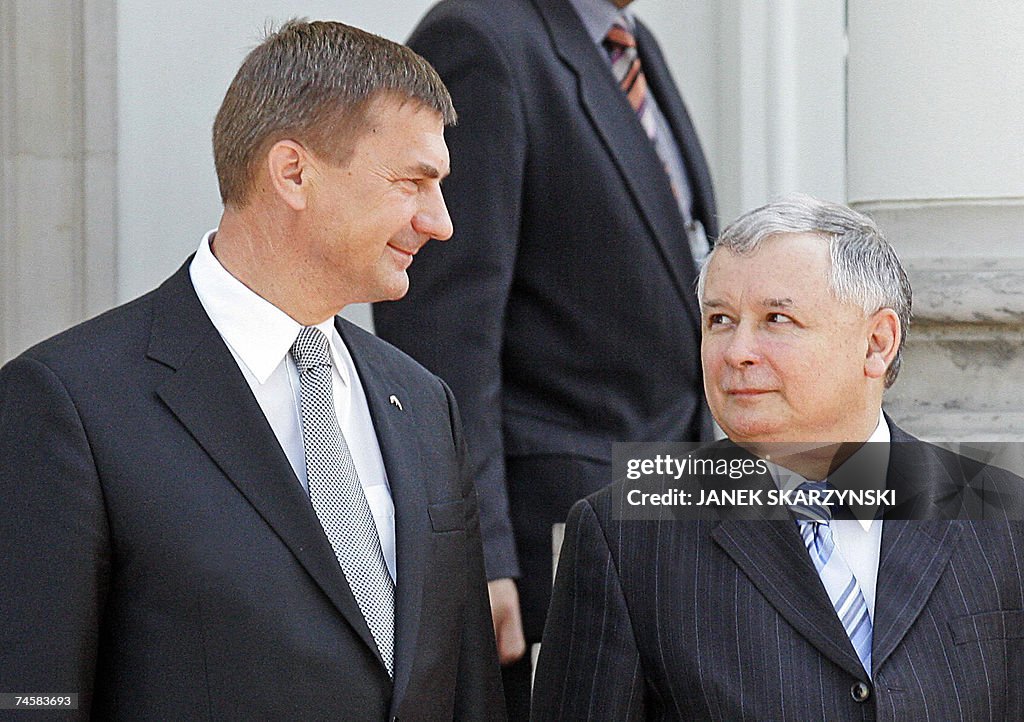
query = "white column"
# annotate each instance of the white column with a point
(57, 171)
(936, 155)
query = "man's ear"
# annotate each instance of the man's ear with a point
(288, 165)
(883, 342)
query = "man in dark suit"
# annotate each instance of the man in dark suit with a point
(810, 614)
(562, 312)
(219, 500)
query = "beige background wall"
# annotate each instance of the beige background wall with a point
(912, 111)
(936, 155)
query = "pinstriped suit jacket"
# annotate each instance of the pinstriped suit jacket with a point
(728, 620)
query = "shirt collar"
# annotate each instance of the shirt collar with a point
(258, 332)
(598, 16)
(867, 467)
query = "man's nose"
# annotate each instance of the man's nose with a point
(433, 219)
(742, 348)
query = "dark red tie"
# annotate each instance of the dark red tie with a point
(621, 46)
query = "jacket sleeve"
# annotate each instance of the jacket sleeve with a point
(479, 694)
(589, 665)
(452, 320)
(53, 538)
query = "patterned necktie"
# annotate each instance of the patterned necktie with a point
(621, 46)
(337, 495)
(816, 529)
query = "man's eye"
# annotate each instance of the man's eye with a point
(718, 319)
(779, 318)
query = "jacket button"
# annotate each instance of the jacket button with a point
(860, 692)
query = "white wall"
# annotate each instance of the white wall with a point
(936, 138)
(937, 100)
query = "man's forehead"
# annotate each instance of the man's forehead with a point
(780, 303)
(410, 135)
(783, 245)
(784, 272)
(785, 258)
(390, 111)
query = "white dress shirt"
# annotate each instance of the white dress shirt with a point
(260, 336)
(858, 540)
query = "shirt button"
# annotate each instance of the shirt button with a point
(860, 692)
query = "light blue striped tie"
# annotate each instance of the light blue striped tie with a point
(814, 521)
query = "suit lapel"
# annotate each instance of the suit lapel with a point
(398, 439)
(914, 554)
(210, 397)
(671, 104)
(771, 553)
(913, 557)
(773, 557)
(615, 121)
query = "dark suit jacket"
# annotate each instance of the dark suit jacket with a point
(163, 561)
(563, 311)
(728, 620)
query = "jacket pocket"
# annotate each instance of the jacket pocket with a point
(1008, 624)
(448, 516)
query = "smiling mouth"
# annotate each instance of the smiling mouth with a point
(748, 392)
(403, 250)
(402, 257)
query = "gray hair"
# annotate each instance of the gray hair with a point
(313, 82)
(865, 270)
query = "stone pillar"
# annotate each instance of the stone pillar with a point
(936, 156)
(57, 176)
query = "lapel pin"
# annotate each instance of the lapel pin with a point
(395, 402)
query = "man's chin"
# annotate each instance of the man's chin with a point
(397, 287)
(752, 429)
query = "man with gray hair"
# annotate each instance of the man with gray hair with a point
(813, 610)
(221, 501)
